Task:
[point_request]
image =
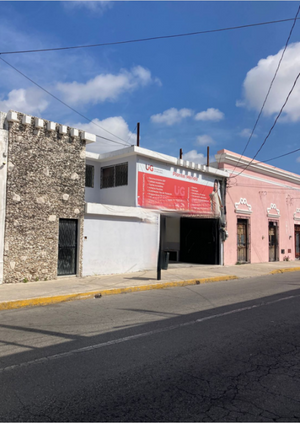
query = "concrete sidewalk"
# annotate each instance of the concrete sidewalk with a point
(72, 288)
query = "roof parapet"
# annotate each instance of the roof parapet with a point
(14, 117)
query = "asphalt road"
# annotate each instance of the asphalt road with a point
(227, 351)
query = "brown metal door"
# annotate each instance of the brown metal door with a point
(242, 240)
(272, 241)
(297, 241)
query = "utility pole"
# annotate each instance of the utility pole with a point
(138, 134)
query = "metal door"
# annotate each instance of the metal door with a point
(67, 247)
(272, 241)
(242, 240)
(297, 241)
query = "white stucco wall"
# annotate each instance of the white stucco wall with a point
(119, 244)
(124, 195)
(3, 179)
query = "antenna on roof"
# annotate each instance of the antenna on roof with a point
(138, 134)
(180, 154)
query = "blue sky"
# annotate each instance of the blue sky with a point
(186, 92)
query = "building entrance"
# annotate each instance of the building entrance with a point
(67, 247)
(297, 242)
(199, 241)
(242, 240)
(273, 241)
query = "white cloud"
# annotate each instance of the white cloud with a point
(204, 140)
(98, 7)
(245, 133)
(298, 159)
(29, 101)
(258, 80)
(210, 114)
(171, 116)
(105, 86)
(116, 125)
(195, 157)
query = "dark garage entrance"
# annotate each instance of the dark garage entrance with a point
(199, 241)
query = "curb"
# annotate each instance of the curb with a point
(42, 301)
(288, 269)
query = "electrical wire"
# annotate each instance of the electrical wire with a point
(278, 157)
(272, 127)
(130, 134)
(161, 37)
(270, 87)
(65, 104)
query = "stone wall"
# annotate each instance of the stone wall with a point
(3, 177)
(45, 182)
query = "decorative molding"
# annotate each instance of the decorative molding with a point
(242, 207)
(297, 212)
(149, 154)
(273, 211)
(228, 157)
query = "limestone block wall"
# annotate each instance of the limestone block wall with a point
(45, 182)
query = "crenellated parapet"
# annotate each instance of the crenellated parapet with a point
(37, 124)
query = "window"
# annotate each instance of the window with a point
(121, 174)
(114, 176)
(89, 176)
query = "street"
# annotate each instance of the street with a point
(226, 351)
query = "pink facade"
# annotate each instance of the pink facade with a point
(262, 211)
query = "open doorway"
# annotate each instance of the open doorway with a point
(273, 241)
(199, 241)
(192, 240)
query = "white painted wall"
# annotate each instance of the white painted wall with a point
(122, 196)
(172, 239)
(3, 179)
(119, 245)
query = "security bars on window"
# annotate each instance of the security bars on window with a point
(114, 176)
(89, 176)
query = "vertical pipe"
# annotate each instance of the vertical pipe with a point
(138, 134)
(162, 228)
(180, 154)
(207, 164)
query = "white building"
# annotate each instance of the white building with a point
(126, 193)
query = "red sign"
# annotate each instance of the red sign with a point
(161, 192)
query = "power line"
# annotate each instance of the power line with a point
(130, 134)
(161, 37)
(65, 104)
(270, 87)
(278, 157)
(274, 158)
(272, 127)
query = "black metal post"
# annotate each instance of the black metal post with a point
(162, 227)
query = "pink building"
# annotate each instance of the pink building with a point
(262, 211)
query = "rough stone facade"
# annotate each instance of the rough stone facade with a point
(45, 182)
